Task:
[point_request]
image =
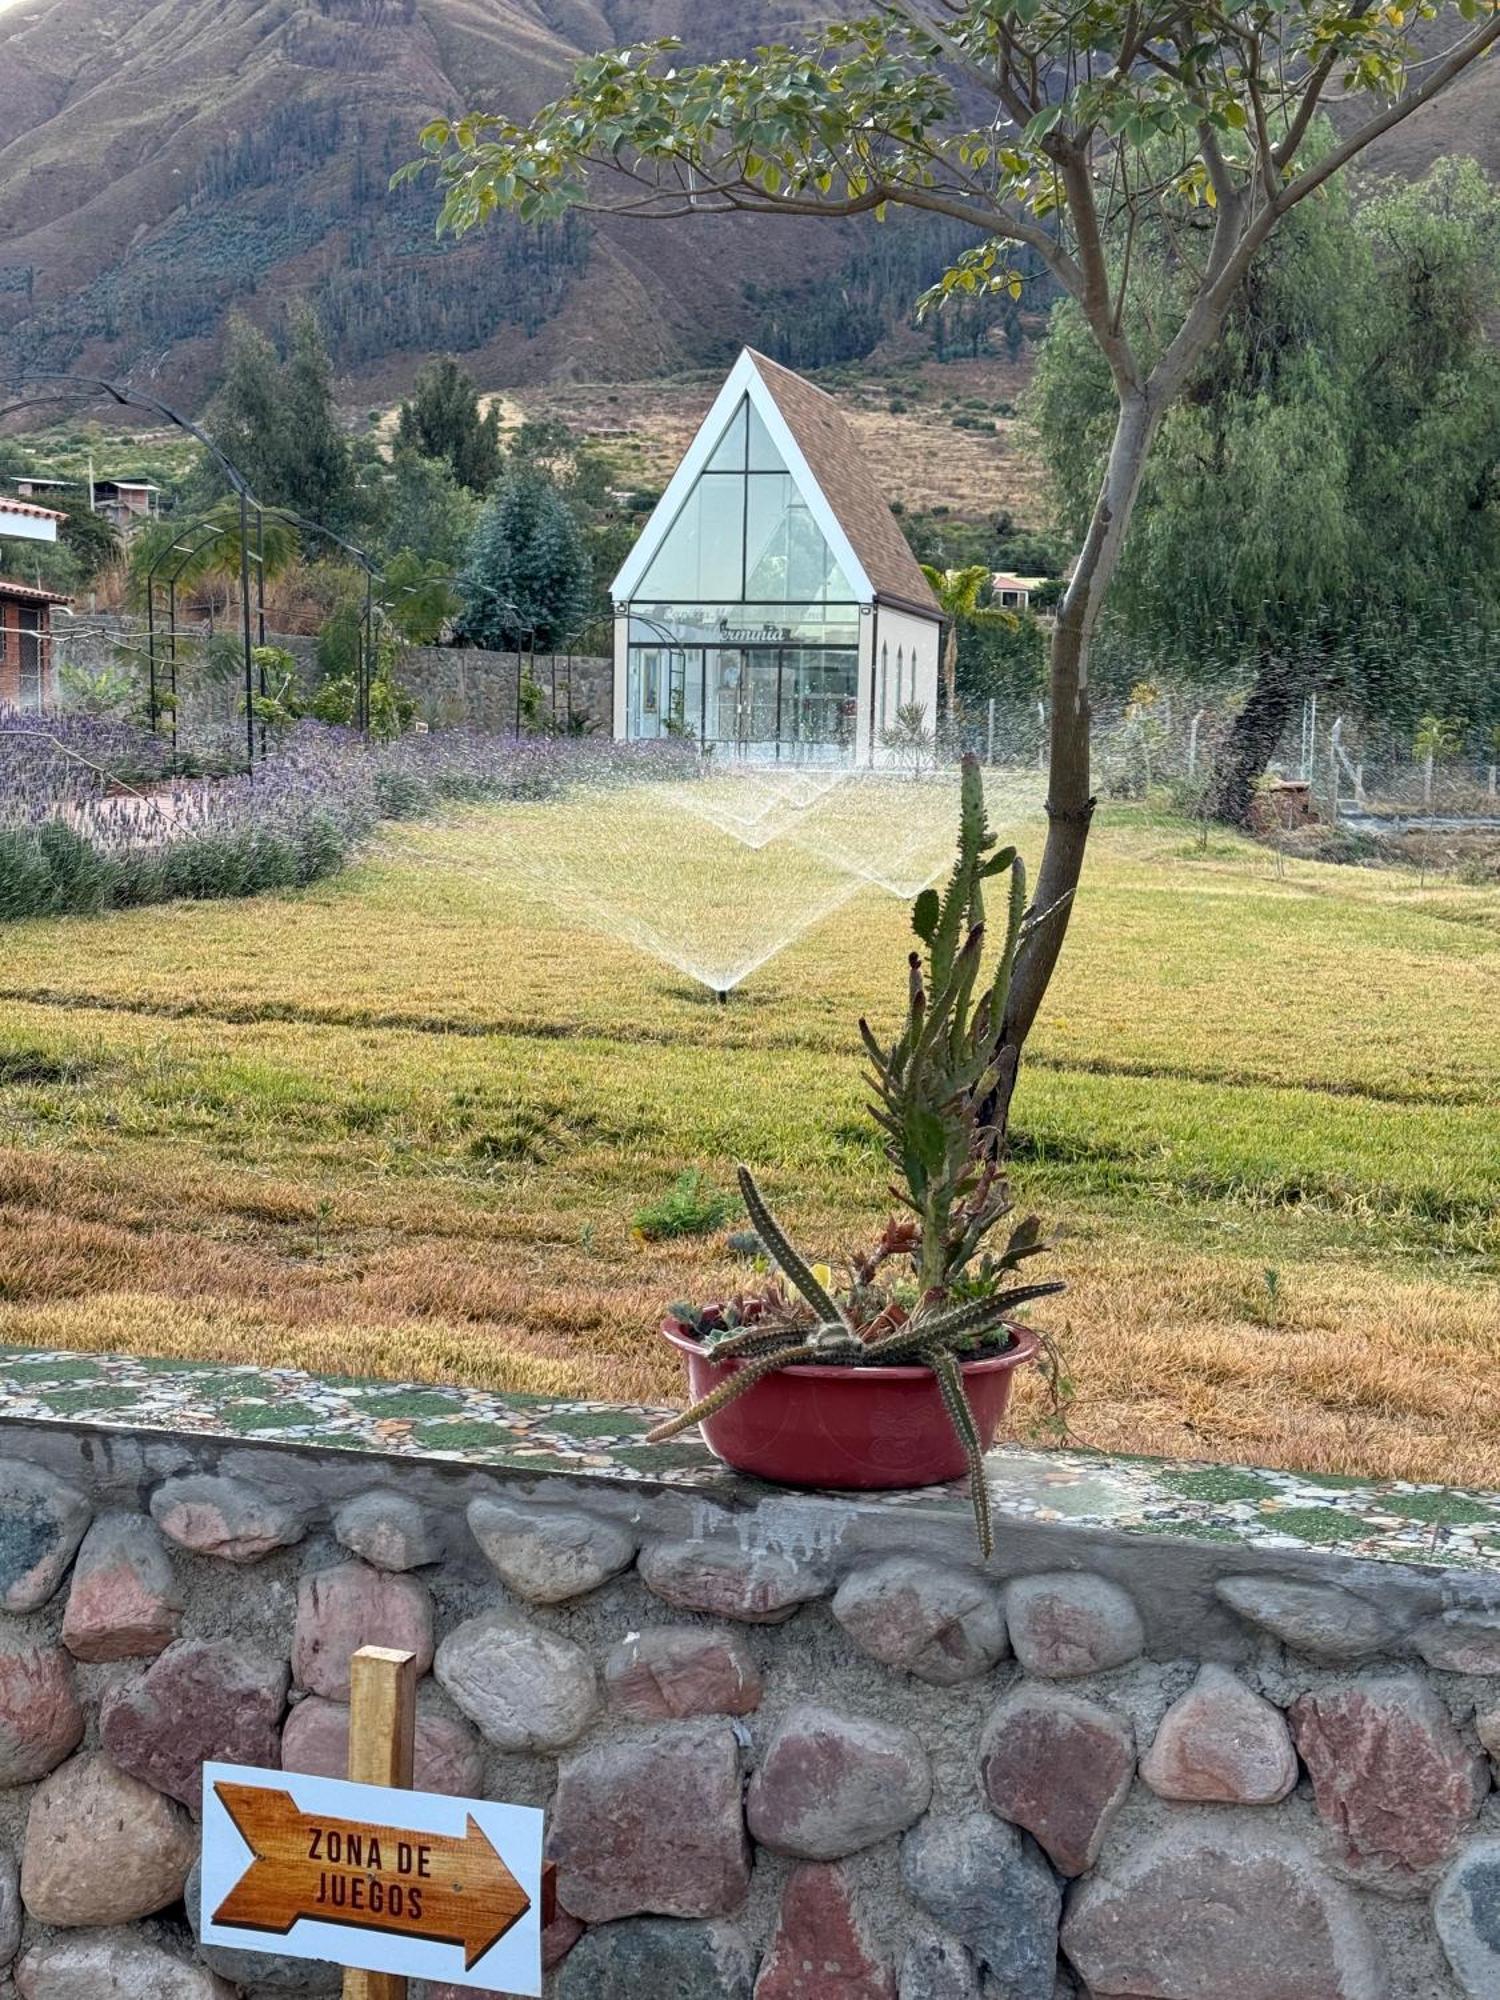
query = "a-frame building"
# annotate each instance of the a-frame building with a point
(772, 608)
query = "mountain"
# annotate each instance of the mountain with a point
(168, 161)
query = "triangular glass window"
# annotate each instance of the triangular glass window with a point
(764, 457)
(745, 534)
(729, 453)
(702, 560)
(787, 559)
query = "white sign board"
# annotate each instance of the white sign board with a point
(415, 1883)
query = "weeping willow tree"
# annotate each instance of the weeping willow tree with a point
(1322, 510)
(1045, 128)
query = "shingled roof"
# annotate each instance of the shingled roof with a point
(836, 462)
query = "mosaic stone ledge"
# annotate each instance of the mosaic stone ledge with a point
(1391, 1520)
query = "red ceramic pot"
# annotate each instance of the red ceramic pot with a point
(816, 1425)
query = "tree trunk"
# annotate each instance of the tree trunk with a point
(1253, 737)
(950, 682)
(1070, 803)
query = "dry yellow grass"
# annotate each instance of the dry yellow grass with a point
(401, 1125)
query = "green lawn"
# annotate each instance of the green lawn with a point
(403, 1122)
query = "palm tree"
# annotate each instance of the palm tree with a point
(958, 591)
(209, 546)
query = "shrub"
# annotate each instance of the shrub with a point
(91, 820)
(693, 1207)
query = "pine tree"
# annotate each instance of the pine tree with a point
(318, 475)
(443, 420)
(277, 421)
(528, 570)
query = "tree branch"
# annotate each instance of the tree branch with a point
(1458, 59)
(1096, 296)
(954, 51)
(1312, 91)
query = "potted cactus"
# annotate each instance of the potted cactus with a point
(897, 1371)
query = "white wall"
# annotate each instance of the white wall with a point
(26, 527)
(622, 661)
(909, 647)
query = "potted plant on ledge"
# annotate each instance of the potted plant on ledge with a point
(898, 1371)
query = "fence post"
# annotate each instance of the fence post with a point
(382, 1736)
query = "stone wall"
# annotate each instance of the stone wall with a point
(794, 1747)
(458, 687)
(455, 687)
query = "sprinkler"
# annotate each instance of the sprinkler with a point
(721, 994)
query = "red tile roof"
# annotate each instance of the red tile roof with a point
(837, 463)
(9, 506)
(27, 593)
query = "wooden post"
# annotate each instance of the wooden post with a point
(382, 1748)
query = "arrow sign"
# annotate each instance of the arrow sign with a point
(369, 1876)
(372, 1878)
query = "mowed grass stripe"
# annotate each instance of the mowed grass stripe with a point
(414, 1106)
(511, 1027)
(1179, 963)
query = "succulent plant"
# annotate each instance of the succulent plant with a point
(935, 1088)
(938, 1335)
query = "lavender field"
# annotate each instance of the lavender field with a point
(90, 820)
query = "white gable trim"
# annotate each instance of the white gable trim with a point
(744, 379)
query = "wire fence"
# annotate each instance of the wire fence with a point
(1329, 767)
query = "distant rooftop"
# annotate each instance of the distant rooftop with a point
(30, 513)
(28, 593)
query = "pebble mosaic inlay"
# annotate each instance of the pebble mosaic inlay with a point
(1221, 1503)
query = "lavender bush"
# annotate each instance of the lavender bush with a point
(87, 822)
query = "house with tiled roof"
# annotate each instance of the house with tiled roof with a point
(771, 608)
(28, 674)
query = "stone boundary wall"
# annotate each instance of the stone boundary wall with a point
(793, 1747)
(455, 687)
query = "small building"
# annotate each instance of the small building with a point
(771, 608)
(24, 521)
(28, 675)
(128, 503)
(1014, 593)
(33, 486)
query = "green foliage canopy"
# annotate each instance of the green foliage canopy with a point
(528, 571)
(443, 420)
(424, 511)
(277, 421)
(1332, 473)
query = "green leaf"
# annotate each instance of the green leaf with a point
(925, 913)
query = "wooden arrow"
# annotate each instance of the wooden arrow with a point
(443, 1888)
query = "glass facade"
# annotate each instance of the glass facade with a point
(744, 631)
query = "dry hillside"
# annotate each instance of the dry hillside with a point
(166, 160)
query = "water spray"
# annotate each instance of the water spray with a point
(712, 876)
